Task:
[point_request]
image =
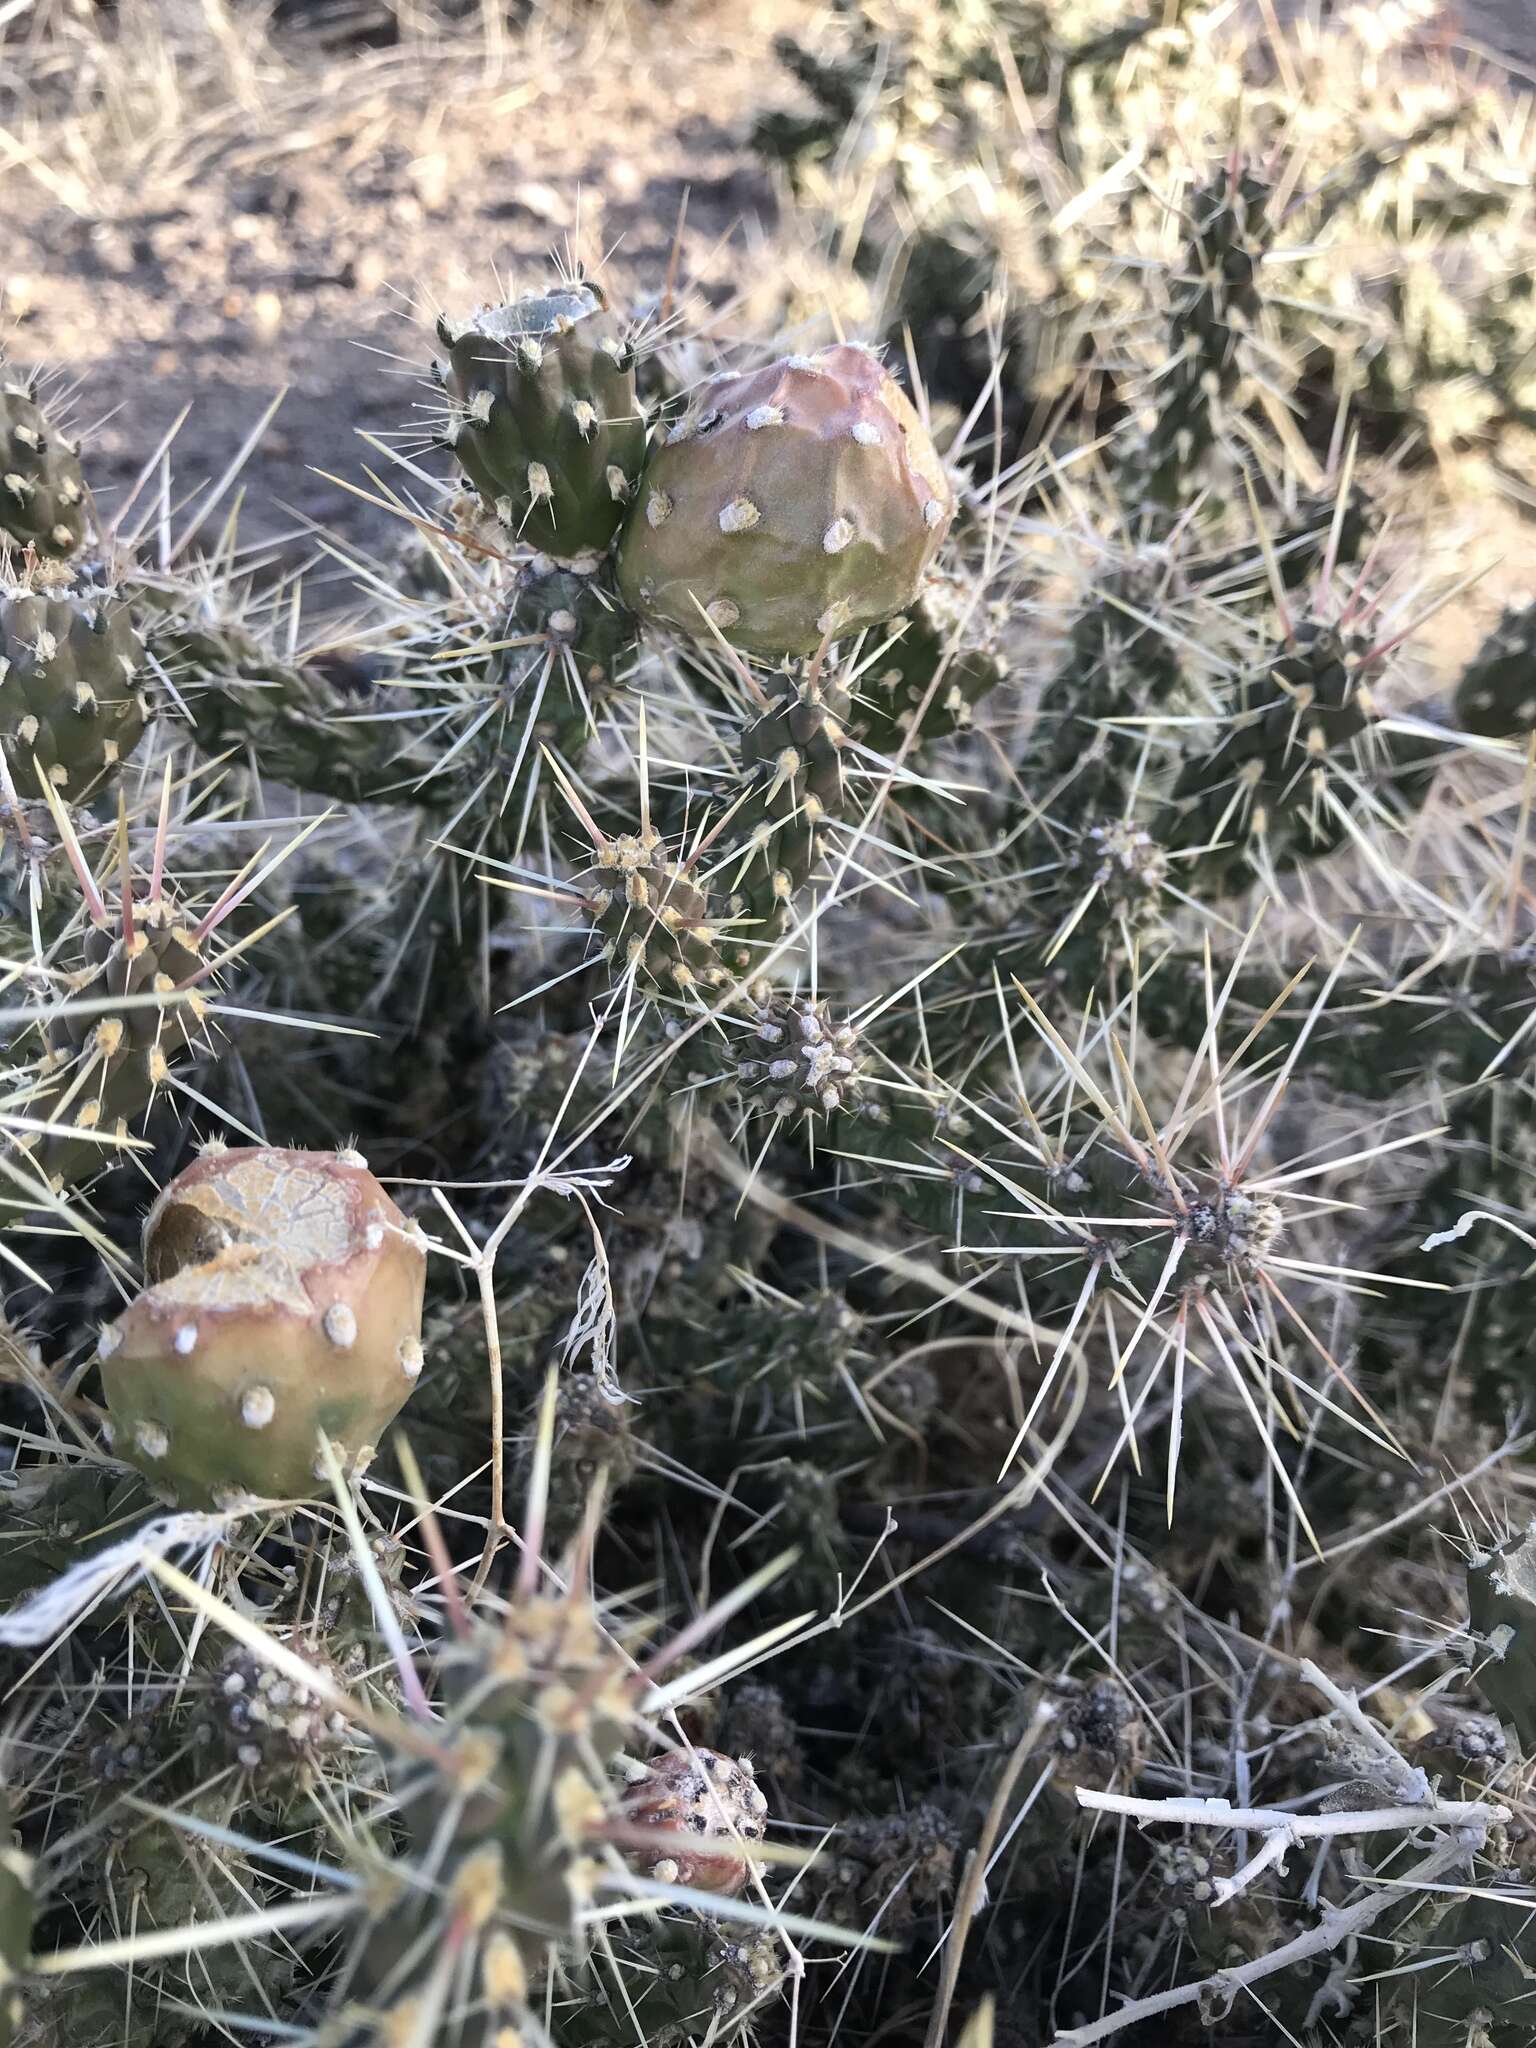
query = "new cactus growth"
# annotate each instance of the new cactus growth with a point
(1285, 771)
(71, 687)
(556, 673)
(1215, 304)
(42, 491)
(796, 1059)
(791, 761)
(544, 416)
(929, 667)
(652, 920)
(283, 1299)
(791, 505)
(1496, 695)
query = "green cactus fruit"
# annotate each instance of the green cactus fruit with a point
(653, 921)
(42, 492)
(1501, 1601)
(790, 504)
(1497, 692)
(15, 1923)
(791, 757)
(796, 1059)
(70, 665)
(713, 1808)
(943, 634)
(101, 1067)
(283, 1297)
(544, 417)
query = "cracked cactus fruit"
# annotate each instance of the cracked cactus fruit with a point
(283, 1298)
(1496, 696)
(705, 1810)
(1501, 1600)
(544, 416)
(42, 492)
(69, 696)
(792, 503)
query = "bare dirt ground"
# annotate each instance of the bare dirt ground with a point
(301, 238)
(241, 216)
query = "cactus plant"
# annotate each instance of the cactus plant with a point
(42, 490)
(1000, 1063)
(1496, 694)
(544, 417)
(283, 1301)
(71, 687)
(110, 1037)
(1501, 1596)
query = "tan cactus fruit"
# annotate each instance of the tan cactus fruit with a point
(283, 1297)
(798, 501)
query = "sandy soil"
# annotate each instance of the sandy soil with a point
(299, 240)
(311, 257)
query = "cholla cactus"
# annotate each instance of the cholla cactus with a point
(42, 490)
(654, 924)
(1497, 691)
(1501, 1596)
(544, 415)
(110, 1038)
(930, 666)
(796, 1059)
(283, 1302)
(1298, 749)
(993, 1052)
(1215, 302)
(72, 683)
